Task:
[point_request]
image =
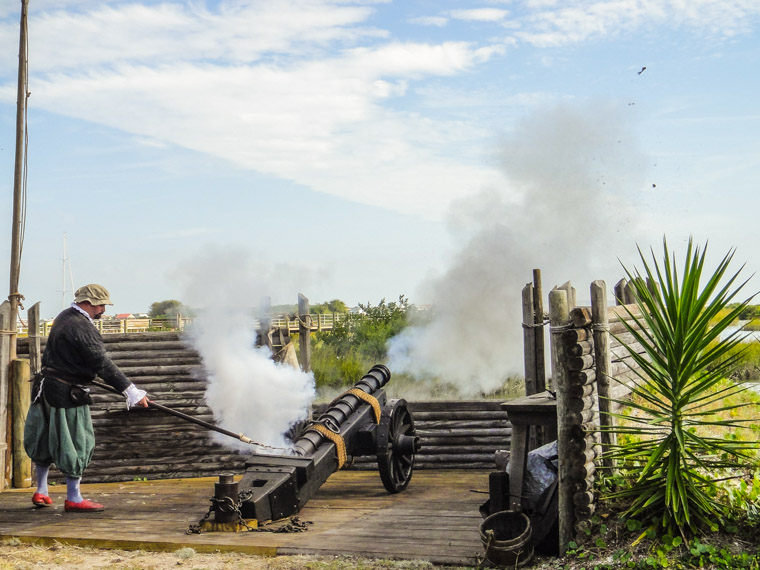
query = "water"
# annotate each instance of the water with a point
(744, 336)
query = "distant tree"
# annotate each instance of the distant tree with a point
(337, 306)
(334, 306)
(357, 341)
(368, 332)
(168, 308)
(380, 324)
(749, 313)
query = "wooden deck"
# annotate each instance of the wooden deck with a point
(435, 519)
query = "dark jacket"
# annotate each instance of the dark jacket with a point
(75, 352)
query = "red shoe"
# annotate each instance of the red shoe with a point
(84, 507)
(41, 500)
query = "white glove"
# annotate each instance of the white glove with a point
(134, 395)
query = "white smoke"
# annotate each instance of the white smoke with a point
(247, 391)
(561, 208)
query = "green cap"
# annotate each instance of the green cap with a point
(94, 293)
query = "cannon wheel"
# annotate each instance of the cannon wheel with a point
(395, 449)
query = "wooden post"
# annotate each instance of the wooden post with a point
(304, 332)
(538, 319)
(35, 354)
(21, 398)
(601, 326)
(19, 185)
(529, 340)
(624, 293)
(265, 322)
(559, 317)
(5, 359)
(619, 289)
(568, 288)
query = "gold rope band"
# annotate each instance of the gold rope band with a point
(368, 398)
(340, 444)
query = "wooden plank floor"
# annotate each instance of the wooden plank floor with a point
(435, 519)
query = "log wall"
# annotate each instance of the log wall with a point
(147, 443)
(592, 371)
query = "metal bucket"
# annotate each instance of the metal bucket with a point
(506, 538)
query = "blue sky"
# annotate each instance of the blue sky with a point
(220, 151)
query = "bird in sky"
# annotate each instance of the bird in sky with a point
(642, 70)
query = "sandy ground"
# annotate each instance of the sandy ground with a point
(15, 555)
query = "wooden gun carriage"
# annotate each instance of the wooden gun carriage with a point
(361, 422)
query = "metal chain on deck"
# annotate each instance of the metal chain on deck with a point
(227, 505)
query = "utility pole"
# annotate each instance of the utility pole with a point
(19, 179)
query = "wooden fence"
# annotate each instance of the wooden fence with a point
(591, 367)
(291, 323)
(148, 443)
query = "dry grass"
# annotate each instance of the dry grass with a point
(15, 555)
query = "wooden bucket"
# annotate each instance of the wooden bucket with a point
(506, 538)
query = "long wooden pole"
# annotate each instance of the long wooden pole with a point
(186, 417)
(18, 175)
(600, 318)
(538, 319)
(529, 339)
(304, 332)
(559, 315)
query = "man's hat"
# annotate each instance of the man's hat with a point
(94, 293)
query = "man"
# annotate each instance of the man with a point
(58, 427)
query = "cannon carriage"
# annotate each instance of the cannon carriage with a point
(361, 422)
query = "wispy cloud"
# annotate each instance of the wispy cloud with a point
(215, 83)
(307, 90)
(575, 21)
(480, 14)
(437, 21)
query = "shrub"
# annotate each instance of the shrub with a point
(678, 438)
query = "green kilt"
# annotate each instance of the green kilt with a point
(63, 436)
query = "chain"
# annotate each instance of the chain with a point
(227, 505)
(197, 528)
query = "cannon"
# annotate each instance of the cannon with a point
(361, 422)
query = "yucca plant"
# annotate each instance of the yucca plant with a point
(674, 444)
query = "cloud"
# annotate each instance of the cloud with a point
(307, 90)
(340, 138)
(437, 21)
(552, 25)
(170, 32)
(480, 14)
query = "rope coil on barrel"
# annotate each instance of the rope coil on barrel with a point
(369, 399)
(336, 438)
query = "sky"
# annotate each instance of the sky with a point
(218, 151)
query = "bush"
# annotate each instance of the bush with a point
(676, 441)
(341, 357)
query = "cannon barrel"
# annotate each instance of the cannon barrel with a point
(341, 409)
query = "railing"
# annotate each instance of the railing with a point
(322, 322)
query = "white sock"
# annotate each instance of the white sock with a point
(72, 489)
(42, 478)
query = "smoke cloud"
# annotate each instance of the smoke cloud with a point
(562, 209)
(247, 391)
